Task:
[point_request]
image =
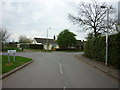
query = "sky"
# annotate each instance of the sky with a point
(34, 17)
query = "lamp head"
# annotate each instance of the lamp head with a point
(103, 6)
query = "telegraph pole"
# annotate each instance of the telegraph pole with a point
(47, 38)
(106, 58)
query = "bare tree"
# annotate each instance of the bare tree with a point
(92, 17)
(116, 25)
(4, 35)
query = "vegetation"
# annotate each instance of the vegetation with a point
(89, 36)
(11, 48)
(71, 50)
(39, 50)
(4, 35)
(95, 49)
(66, 39)
(93, 18)
(6, 67)
(35, 46)
(24, 39)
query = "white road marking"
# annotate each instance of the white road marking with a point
(61, 69)
(64, 88)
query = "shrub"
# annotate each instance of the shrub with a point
(11, 48)
(96, 49)
(36, 46)
(65, 49)
(25, 46)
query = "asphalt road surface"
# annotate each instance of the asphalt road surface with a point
(58, 70)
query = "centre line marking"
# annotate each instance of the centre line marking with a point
(61, 69)
(64, 88)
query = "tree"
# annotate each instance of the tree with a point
(4, 35)
(66, 39)
(24, 39)
(92, 17)
(116, 25)
(89, 36)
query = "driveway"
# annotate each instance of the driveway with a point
(58, 70)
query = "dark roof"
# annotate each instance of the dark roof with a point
(44, 40)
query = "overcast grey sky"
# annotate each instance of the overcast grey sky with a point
(33, 17)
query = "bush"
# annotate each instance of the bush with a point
(96, 49)
(36, 46)
(25, 46)
(66, 49)
(11, 48)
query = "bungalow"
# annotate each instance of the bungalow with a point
(48, 44)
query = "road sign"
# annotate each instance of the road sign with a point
(11, 52)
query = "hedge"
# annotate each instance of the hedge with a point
(95, 49)
(11, 48)
(66, 49)
(36, 46)
(25, 46)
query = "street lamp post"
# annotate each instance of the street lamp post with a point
(106, 58)
(47, 38)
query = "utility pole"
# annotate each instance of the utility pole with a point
(47, 38)
(106, 58)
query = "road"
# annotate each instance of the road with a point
(58, 70)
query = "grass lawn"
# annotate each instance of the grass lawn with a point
(6, 67)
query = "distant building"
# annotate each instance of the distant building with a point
(79, 45)
(47, 43)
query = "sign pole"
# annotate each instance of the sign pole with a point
(8, 58)
(13, 53)
(14, 57)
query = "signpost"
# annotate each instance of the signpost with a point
(11, 52)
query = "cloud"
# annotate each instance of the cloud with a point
(33, 17)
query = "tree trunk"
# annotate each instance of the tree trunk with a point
(95, 32)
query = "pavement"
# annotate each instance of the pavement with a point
(99, 65)
(58, 70)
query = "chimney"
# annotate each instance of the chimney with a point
(54, 37)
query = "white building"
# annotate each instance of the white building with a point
(48, 44)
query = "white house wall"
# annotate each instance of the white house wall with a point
(57, 46)
(35, 42)
(50, 46)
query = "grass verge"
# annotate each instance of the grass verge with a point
(6, 67)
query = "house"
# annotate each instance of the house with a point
(48, 44)
(80, 45)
